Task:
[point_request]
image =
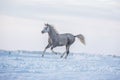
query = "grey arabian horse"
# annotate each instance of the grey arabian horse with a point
(56, 39)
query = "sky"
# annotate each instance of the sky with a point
(21, 22)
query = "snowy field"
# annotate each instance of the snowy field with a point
(25, 65)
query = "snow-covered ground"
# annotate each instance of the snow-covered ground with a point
(25, 65)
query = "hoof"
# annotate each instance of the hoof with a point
(56, 53)
(61, 56)
(42, 55)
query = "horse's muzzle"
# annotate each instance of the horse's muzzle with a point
(42, 32)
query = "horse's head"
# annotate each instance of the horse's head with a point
(46, 29)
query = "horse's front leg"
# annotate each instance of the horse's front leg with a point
(46, 49)
(53, 50)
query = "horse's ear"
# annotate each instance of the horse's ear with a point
(46, 24)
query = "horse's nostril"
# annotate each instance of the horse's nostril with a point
(42, 31)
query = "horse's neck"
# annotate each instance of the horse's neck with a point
(53, 35)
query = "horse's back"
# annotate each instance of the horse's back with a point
(69, 37)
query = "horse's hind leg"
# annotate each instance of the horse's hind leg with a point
(67, 50)
(46, 49)
(62, 54)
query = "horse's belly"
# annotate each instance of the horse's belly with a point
(62, 42)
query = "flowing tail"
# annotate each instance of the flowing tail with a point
(81, 38)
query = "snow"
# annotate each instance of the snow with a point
(26, 65)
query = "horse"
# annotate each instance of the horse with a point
(55, 39)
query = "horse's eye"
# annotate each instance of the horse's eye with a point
(46, 27)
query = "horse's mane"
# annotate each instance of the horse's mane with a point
(53, 28)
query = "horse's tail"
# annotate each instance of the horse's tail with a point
(81, 38)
